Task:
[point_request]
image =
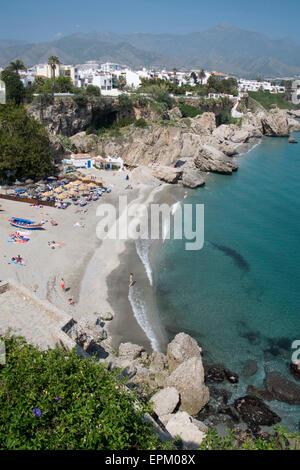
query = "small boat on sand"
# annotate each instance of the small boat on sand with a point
(23, 223)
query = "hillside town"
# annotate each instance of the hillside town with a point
(112, 78)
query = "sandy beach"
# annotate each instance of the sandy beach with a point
(96, 272)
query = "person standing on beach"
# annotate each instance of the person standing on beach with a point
(62, 283)
(131, 280)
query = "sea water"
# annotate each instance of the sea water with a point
(240, 295)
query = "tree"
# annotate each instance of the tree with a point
(92, 90)
(24, 145)
(201, 75)
(121, 82)
(53, 61)
(63, 85)
(193, 77)
(14, 87)
(16, 66)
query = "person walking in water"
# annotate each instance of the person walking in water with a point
(62, 283)
(131, 280)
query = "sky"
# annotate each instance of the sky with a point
(37, 21)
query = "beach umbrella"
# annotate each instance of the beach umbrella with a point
(62, 196)
(48, 194)
(73, 193)
(58, 190)
(69, 186)
(99, 182)
(86, 178)
(77, 182)
(92, 185)
(83, 187)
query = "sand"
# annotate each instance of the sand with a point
(85, 262)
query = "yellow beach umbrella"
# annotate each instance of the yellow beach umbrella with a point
(69, 186)
(87, 178)
(58, 190)
(77, 182)
(99, 182)
(62, 196)
(83, 187)
(73, 193)
(48, 194)
(92, 185)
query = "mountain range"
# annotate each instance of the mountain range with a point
(224, 48)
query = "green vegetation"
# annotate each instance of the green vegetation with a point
(24, 145)
(67, 143)
(269, 100)
(55, 400)
(279, 439)
(15, 91)
(140, 123)
(53, 61)
(189, 111)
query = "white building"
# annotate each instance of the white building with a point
(255, 85)
(45, 70)
(2, 92)
(111, 67)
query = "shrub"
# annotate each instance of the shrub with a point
(56, 400)
(140, 123)
(189, 111)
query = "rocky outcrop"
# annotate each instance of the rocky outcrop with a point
(192, 177)
(255, 412)
(282, 389)
(182, 348)
(188, 379)
(63, 117)
(295, 369)
(211, 159)
(174, 114)
(191, 431)
(167, 174)
(165, 401)
(130, 351)
(85, 143)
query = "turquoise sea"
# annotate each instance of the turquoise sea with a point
(240, 295)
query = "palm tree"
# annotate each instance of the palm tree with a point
(53, 61)
(16, 66)
(201, 75)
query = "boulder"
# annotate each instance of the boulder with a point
(214, 374)
(211, 159)
(188, 379)
(232, 377)
(240, 136)
(192, 177)
(182, 347)
(130, 351)
(255, 412)
(262, 394)
(158, 361)
(276, 123)
(250, 368)
(108, 316)
(165, 401)
(168, 174)
(282, 389)
(182, 425)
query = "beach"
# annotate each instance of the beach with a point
(96, 272)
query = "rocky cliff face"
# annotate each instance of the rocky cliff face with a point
(63, 117)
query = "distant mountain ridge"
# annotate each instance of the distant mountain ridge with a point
(224, 48)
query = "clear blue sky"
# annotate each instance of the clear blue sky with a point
(40, 20)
